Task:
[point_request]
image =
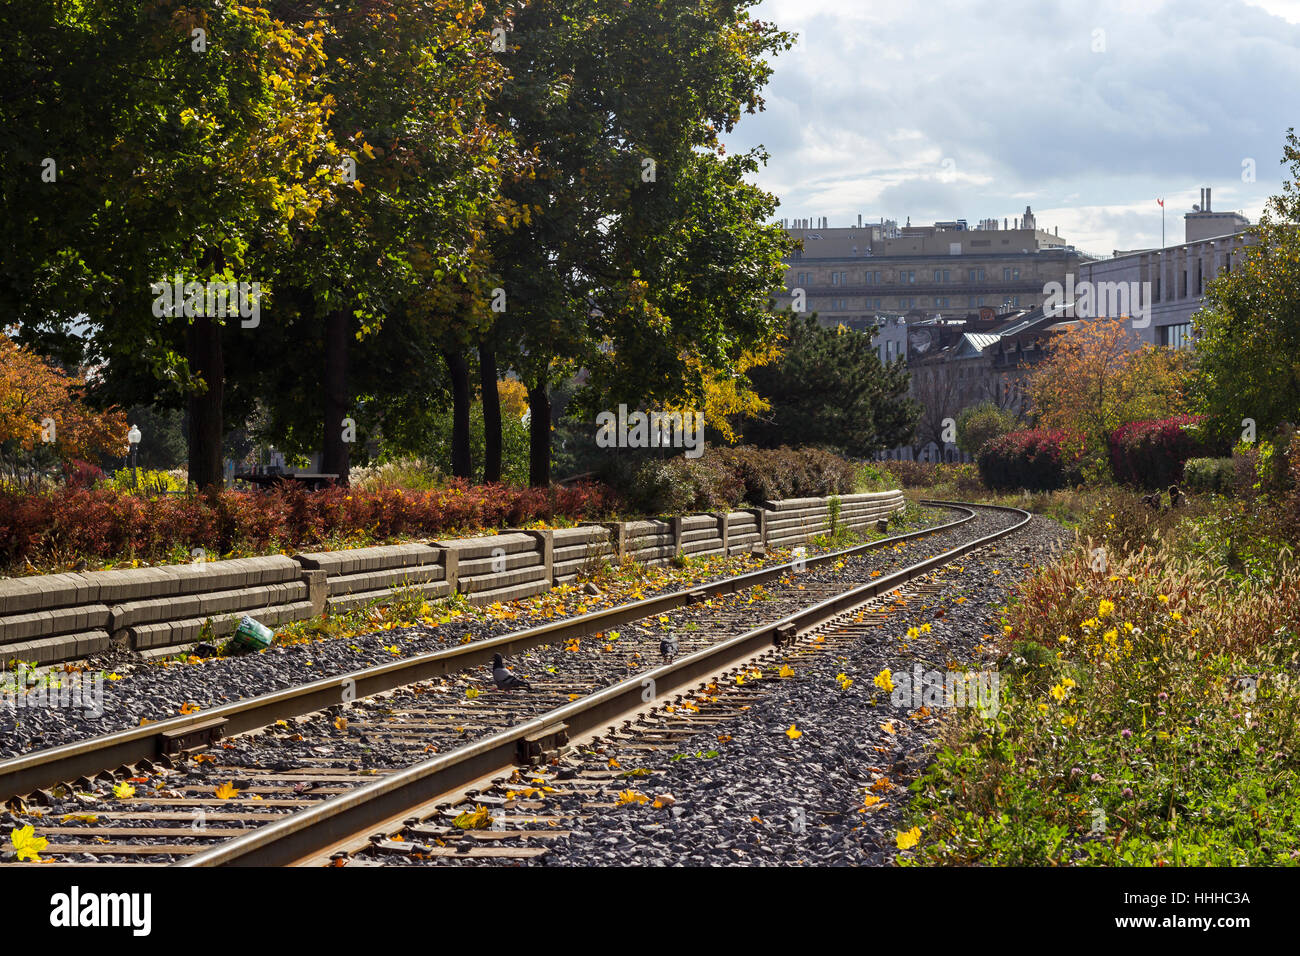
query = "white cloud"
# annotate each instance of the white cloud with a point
(864, 111)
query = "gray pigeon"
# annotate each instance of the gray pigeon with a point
(504, 678)
(668, 647)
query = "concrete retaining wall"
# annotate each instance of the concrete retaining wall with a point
(66, 616)
(62, 617)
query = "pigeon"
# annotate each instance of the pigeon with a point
(668, 647)
(504, 678)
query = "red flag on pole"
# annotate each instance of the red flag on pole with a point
(1162, 202)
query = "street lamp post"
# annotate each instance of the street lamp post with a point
(133, 438)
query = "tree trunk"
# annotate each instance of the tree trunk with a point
(487, 366)
(458, 369)
(539, 437)
(207, 428)
(336, 447)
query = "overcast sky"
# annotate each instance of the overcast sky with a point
(966, 109)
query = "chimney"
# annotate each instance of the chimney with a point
(1202, 202)
(1058, 230)
(1004, 222)
(1206, 207)
(859, 220)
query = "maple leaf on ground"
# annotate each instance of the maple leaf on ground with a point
(908, 839)
(480, 818)
(226, 791)
(27, 844)
(123, 791)
(626, 797)
(794, 733)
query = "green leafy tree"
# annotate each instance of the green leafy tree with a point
(830, 389)
(409, 82)
(621, 103)
(189, 141)
(980, 424)
(1248, 341)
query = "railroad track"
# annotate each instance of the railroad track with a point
(331, 770)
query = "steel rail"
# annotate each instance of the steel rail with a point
(42, 769)
(300, 836)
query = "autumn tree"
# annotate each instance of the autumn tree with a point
(409, 83)
(41, 406)
(1096, 378)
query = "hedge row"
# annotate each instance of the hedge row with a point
(1037, 459)
(104, 523)
(1151, 454)
(725, 478)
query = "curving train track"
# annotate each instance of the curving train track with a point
(384, 760)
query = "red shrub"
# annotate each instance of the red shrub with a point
(1037, 459)
(105, 523)
(1151, 454)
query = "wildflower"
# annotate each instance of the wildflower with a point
(1097, 778)
(1162, 598)
(1105, 608)
(925, 628)
(1176, 616)
(1127, 793)
(1126, 733)
(884, 680)
(1042, 707)
(1069, 720)
(1162, 696)
(913, 633)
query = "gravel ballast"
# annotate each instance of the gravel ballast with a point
(767, 799)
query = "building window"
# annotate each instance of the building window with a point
(1006, 274)
(1175, 336)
